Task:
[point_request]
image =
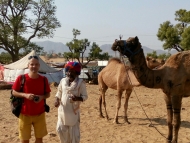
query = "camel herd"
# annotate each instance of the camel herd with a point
(173, 78)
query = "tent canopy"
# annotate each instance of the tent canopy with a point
(23, 64)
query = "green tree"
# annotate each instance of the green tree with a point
(153, 55)
(164, 56)
(5, 58)
(104, 56)
(94, 52)
(176, 36)
(161, 56)
(18, 18)
(78, 48)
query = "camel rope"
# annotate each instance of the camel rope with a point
(151, 124)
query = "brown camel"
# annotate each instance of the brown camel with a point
(114, 76)
(154, 63)
(173, 78)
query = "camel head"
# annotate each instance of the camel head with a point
(129, 47)
(154, 63)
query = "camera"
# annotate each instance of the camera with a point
(36, 98)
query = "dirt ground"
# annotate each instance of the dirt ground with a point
(146, 106)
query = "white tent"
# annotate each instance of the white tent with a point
(83, 71)
(23, 64)
(19, 67)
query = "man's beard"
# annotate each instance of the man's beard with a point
(71, 77)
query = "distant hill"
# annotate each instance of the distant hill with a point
(49, 46)
(58, 47)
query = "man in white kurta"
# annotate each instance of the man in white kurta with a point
(71, 92)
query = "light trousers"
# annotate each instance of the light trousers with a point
(68, 134)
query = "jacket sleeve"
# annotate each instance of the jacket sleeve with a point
(59, 90)
(83, 92)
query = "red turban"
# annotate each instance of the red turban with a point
(73, 65)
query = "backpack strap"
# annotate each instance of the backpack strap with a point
(21, 86)
(47, 108)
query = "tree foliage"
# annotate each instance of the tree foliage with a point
(161, 56)
(79, 47)
(22, 20)
(153, 55)
(5, 58)
(176, 36)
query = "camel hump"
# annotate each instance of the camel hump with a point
(114, 60)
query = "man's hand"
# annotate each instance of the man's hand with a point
(35, 98)
(76, 98)
(57, 102)
(29, 96)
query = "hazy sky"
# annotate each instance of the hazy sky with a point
(102, 21)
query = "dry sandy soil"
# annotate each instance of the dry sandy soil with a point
(143, 101)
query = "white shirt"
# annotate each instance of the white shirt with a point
(68, 112)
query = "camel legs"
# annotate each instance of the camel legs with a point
(100, 106)
(102, 100)
(176, 102)
(118, 105)
(127, 96)
(174, 118)
(169, 118)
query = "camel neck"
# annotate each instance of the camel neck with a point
(147, 77)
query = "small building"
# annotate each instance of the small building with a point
(102, 63)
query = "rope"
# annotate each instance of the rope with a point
(151, 124)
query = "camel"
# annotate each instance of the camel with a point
(173, 78)
(154, 63)
(114, 76)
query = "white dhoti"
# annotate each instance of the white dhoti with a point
(68, 134)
